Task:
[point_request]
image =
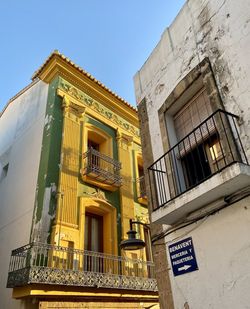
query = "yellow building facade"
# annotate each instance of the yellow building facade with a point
(89, 185)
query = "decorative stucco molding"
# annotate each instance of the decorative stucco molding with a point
(97, 107)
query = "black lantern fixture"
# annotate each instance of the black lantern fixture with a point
(133, 243)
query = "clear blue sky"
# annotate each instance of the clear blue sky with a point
(111, 39)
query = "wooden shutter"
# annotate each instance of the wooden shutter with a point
(191, 116)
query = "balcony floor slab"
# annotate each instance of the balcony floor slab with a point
(228, 181)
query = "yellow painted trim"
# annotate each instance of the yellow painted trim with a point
(69, 169)
(99, 184)
(57, 66)
(139, 161)
(97, 115)
(69, 99)
(66, 224)
(20, 292)
(143, 201)
(67, 60)
(48, 290)
(106, 146)
(104, 208)
(65, 230)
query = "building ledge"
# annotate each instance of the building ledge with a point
(98, 183)
(143, 200)
(228, 181)
(67, 292)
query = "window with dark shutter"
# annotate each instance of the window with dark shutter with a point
(190, 117)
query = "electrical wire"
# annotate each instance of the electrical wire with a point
(17, 218)
(229, 200)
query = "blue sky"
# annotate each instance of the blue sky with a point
(111, 39)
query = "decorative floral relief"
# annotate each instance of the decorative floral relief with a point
(89, 102)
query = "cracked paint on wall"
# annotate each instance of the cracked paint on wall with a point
(46, 201)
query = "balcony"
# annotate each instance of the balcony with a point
(38, 263)
(100, 168)
(207, 164)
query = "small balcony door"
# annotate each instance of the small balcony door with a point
(93, 241)
(93, 233)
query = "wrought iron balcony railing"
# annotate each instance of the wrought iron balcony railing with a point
(141, 187)
(208, 149)
(48, 264)
(101, 167)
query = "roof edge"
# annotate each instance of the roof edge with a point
(82, 71)
(36, 80)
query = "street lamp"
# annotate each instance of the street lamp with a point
(133, 243)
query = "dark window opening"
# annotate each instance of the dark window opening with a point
(141, 183)
(140, 171)
(93, 145)
(94, 159)
(5, 170)
(196, 166)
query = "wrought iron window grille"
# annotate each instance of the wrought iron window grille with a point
(208, 149)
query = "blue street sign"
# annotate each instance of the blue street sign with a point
(182, 257)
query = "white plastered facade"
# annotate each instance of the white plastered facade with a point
(21, 132)
(220, 31)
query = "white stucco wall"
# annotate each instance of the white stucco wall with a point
(219, 30)
(21, 131)
(222, 247)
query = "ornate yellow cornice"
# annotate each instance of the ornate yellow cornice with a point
(81, 101)
(59, 65)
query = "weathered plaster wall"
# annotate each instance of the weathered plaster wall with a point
(48, 174)
(21, 127)
(217, 29)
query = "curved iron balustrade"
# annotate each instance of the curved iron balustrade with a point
(49, 264)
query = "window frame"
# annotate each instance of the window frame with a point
(139, 164)
(105, 142)
(199, 77)
(100, 207)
